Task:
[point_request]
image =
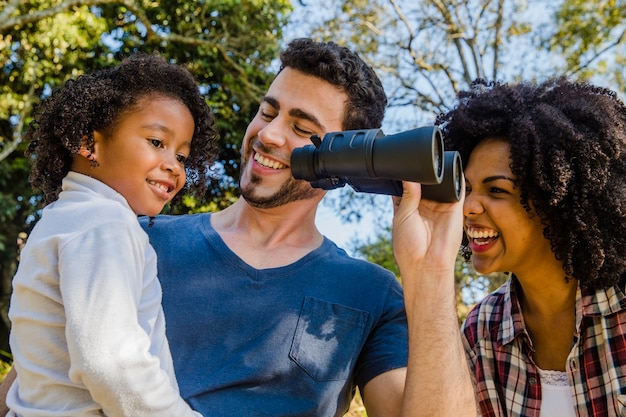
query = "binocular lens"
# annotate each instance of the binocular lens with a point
(369, 161)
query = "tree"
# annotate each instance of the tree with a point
(591, 35)
(16, 203)
(427, 50)
(43, 43)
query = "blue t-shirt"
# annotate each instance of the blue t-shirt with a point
(288, 341)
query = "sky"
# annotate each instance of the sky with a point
(330, 224)
(327, 220)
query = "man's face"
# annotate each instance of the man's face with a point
(296, 106)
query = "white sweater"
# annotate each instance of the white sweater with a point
(88, 331)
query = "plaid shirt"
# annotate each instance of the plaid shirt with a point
(507, 380)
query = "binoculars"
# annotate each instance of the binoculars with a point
(371, 162)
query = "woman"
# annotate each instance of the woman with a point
(545, 168)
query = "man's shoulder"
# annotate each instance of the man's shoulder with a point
(168, 221)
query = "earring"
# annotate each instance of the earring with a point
(92, 160)
(86, 153)
(465, 252)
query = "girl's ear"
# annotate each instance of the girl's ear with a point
(85, 152)
(98, 138)
(91, 155)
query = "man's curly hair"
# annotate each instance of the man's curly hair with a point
(342, 68)
(568, 153)
(96, 102)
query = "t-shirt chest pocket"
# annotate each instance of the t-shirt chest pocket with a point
(328, 339)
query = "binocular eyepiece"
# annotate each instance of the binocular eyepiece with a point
(371, 162)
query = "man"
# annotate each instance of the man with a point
(266, 317)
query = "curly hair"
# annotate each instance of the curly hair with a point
(568, 153)
(67, 119)
(342, 68)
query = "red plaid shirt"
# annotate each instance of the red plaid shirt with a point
(507, 380)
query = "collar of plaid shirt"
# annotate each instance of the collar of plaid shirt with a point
(500, 353)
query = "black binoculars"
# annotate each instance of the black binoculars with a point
(371, 162)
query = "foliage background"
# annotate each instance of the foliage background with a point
(424, 50)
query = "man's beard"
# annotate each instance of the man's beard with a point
(291, 190)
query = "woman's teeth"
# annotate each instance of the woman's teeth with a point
(481, 233)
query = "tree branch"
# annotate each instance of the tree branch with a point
(8, 10)
(455, 34)
(21, 20)
(134, 8)
(497, 39)
(28, 104)
(612, 45)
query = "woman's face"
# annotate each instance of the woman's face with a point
(503, 236)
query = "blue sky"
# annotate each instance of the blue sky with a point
(330, 224)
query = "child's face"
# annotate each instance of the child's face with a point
(144, 157)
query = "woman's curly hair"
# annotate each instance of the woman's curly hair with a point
(568, 153)
(95, 102)
(342, 68)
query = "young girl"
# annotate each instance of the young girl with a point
(88, 332)
(545, 170)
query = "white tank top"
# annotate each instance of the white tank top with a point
(556, 396)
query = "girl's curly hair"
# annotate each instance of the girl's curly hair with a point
(568, 153)
(95, 102)
(342, 68)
